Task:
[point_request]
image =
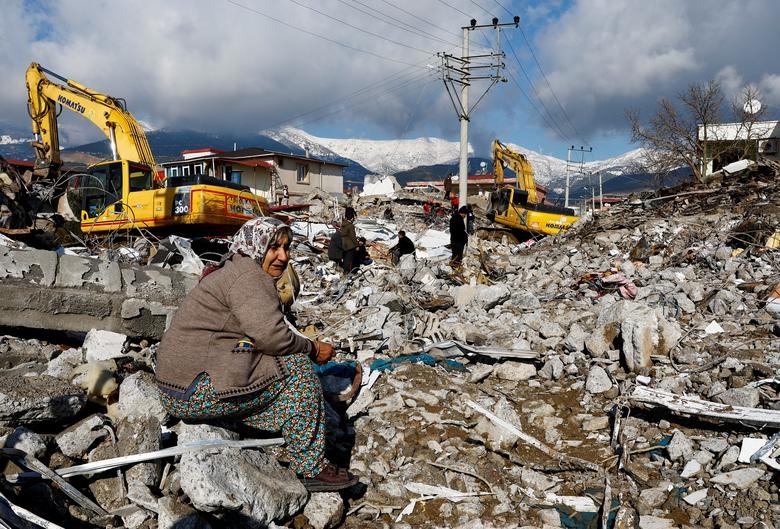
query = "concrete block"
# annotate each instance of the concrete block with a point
(103, 345)
(36, 266)
(514, 371)
(139, 398)
(107, 275)
(250, 483)
(25, 440)
(324, 510)
(77, 439)
(72, 271)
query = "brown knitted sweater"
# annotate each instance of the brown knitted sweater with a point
(238, 300)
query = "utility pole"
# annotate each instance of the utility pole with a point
(582, 150)
(601, 193)
(458, 71)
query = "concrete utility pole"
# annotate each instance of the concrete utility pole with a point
(461, 75)
(601, 192)
(582, 150)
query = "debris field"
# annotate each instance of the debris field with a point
(624, 374)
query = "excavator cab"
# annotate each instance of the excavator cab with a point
(105, 185)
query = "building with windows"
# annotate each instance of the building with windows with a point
(264, 172)
(727, 142)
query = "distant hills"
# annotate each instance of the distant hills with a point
(407, 159)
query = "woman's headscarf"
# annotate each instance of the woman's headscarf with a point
(255, 236)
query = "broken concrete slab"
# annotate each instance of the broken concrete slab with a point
(139, 398)
(102, 345)
(41, 399)
(75, 440)
(695, 407)
(232, 482)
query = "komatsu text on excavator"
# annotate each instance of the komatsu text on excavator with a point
(122, 193)
(519, 207)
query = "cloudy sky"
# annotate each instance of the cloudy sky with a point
(369, 68)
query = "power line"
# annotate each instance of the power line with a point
(356, 93)
(414, 30)
(455, 8)
(489, 46)
(296, 2)
(320, 36)
(504, 8)
(420, 19)
(483, 9)
(366, 101)
(551, 125)
(565, 114)
(530, 82)
(357, 101)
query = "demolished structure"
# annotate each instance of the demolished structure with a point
(624, 374)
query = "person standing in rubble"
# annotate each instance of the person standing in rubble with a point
(447, 186)
(229, 354)
(348, 239)
(458, 234)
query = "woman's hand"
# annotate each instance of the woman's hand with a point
(323, 352)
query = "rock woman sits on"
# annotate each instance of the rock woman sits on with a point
(230, 354)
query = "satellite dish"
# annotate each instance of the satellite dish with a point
(482, 164)
(752, 106)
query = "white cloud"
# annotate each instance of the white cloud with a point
(216, 66)
(770, 89)
(604, 56)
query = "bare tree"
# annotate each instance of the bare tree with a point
(681, 133)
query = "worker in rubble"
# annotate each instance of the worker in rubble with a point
(405, 246)
(348, 239)
(458, 235)
(229, 354)
(470, 219)
(447, 186)
(361, 256)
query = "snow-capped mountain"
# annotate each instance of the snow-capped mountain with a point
(394, 156)
(379, 156)
(548, 169)
(7, 139)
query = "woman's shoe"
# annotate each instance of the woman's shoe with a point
(330, 479)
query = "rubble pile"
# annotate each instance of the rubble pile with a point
(622, 375)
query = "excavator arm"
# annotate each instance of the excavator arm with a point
(127, 137)
(504, 156)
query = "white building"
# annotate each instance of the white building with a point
(766, 134)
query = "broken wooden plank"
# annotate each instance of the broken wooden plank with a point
(703, 409)
(26, 460)
(14, 517)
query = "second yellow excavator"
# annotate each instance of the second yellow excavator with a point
(123, 193)
(519, 207)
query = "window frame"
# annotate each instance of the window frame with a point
(302, 178)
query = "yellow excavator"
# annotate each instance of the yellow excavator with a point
(519, 207)
(123, 193)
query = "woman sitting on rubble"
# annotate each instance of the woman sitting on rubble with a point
(230, 354)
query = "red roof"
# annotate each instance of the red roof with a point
(20, 163)
(252, 162)
(206, 149)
